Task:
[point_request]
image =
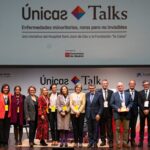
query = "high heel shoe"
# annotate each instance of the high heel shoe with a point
(42, 142)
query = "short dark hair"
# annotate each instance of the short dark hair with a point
(92, 85)
(52, 86)
(3, 86)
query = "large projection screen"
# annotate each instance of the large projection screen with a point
(74, 32)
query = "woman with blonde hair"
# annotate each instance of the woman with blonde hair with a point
(77, 104)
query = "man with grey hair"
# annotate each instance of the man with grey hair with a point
(144, 105)
(106, 117)
(134, 111)
(121, 103)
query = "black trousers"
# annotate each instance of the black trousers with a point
(132, 126)
(32, 130)
(18, 132)
(78, 124)
(52, 117)
(142, 125)
(106, 129)
(93, 128)
(4, 130)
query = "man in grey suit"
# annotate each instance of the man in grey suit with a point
(94, 108)
(121, 103)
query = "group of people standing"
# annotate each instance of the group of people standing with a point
(55, 110)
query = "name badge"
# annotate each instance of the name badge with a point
(64, 108)
(105, 104)
(6, 107)
(53, 108)
(123, 104)
(76, 107)
(17, 109)
(146, 104)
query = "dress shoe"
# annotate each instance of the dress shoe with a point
(110, 145)
(42, 142)
(89, 145)
(61, 144)
(133, 144)
(103, 144)
(66, 145)
(20, 143)
(80, 145)
(125, 145)
(140, 144)
(16, 143)
(95, 145)
(75, 145)
(55, 143)
(118, 146)
(31, 144)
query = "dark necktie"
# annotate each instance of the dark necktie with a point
(146, 94)
(105, 94)
(91, 97)
(121, 96)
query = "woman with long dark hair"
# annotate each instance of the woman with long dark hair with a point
(63, 114)
(17, 114)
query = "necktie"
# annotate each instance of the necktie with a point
(132, 95)
(105, 95)
(146, 94)
(121, 96)
(91, 97)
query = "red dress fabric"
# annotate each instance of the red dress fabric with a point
(42, 127)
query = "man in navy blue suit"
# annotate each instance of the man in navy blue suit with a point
(133, 112)
(106, 117)
(121, 103)
(94, 108)
(144, 105)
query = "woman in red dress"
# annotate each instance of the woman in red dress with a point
(42, 127)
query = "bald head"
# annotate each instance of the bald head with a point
(120, 86)
(132, 84)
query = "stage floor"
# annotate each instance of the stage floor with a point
(25, 146)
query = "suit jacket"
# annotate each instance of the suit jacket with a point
(94, 108)
(141, 100)
(115, 103)
(29, 108)
(107, 112)
(2, 106)
(134, 109)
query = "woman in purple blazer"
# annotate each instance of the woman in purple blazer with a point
(17, 111)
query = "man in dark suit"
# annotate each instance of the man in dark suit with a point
(94, 108)
(121, 103)
(144, 105)
(133, 111)
(106, 117)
